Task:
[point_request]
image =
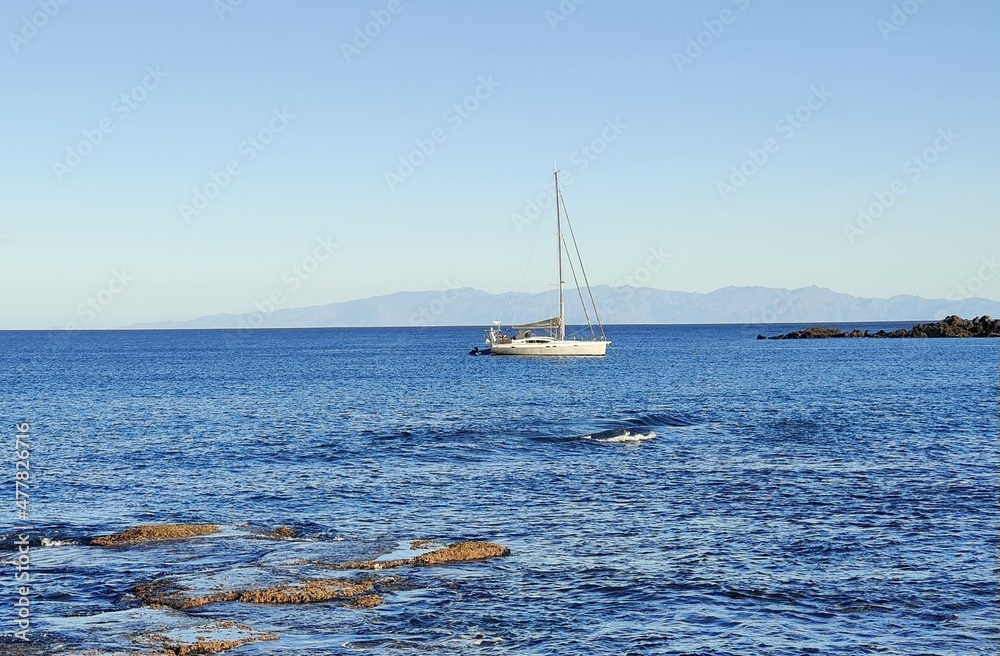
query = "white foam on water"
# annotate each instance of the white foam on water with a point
(47, 542)
(625, 437)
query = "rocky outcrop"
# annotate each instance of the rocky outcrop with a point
(952, 326)
(152, 532)
(164, 626)
(456, 553)
(361, 593)
(167, 593)
(462, 552)
(308, 592)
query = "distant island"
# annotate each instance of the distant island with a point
(464, 306)
(952, 326)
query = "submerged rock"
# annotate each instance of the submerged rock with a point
(164, 592)
(375, 564)
(365, 601)
(280, 533)
(145, 632)
(152, 532)
(216, 637)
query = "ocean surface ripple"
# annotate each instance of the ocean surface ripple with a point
(695, 492)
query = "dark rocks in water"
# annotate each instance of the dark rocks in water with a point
(816, 332)
(952, 326)
(280, 533)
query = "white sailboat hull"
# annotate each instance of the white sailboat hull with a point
(555, 347)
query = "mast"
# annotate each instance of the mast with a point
(562, 291)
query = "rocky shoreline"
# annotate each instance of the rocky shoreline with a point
(178, 633)
(952, 326)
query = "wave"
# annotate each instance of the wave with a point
(41, 536)
(620, 436)
(660, 419)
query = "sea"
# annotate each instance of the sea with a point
(697, 491)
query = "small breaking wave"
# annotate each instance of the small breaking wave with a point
(620, 436)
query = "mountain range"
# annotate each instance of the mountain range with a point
(465, 306)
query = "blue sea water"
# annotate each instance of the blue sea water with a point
(695, 492)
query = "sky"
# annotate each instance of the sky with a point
(169, 160)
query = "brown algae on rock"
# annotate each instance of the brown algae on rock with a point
(455, 553)
(309, 592)
(166, 593)
(365, 601)
(462, 552)
(154, 532)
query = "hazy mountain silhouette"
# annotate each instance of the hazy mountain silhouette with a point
(624, 305)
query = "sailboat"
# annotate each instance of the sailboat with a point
(548, 337)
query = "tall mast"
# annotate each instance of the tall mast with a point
(562, 291)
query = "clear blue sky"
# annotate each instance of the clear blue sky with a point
(105, 222)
